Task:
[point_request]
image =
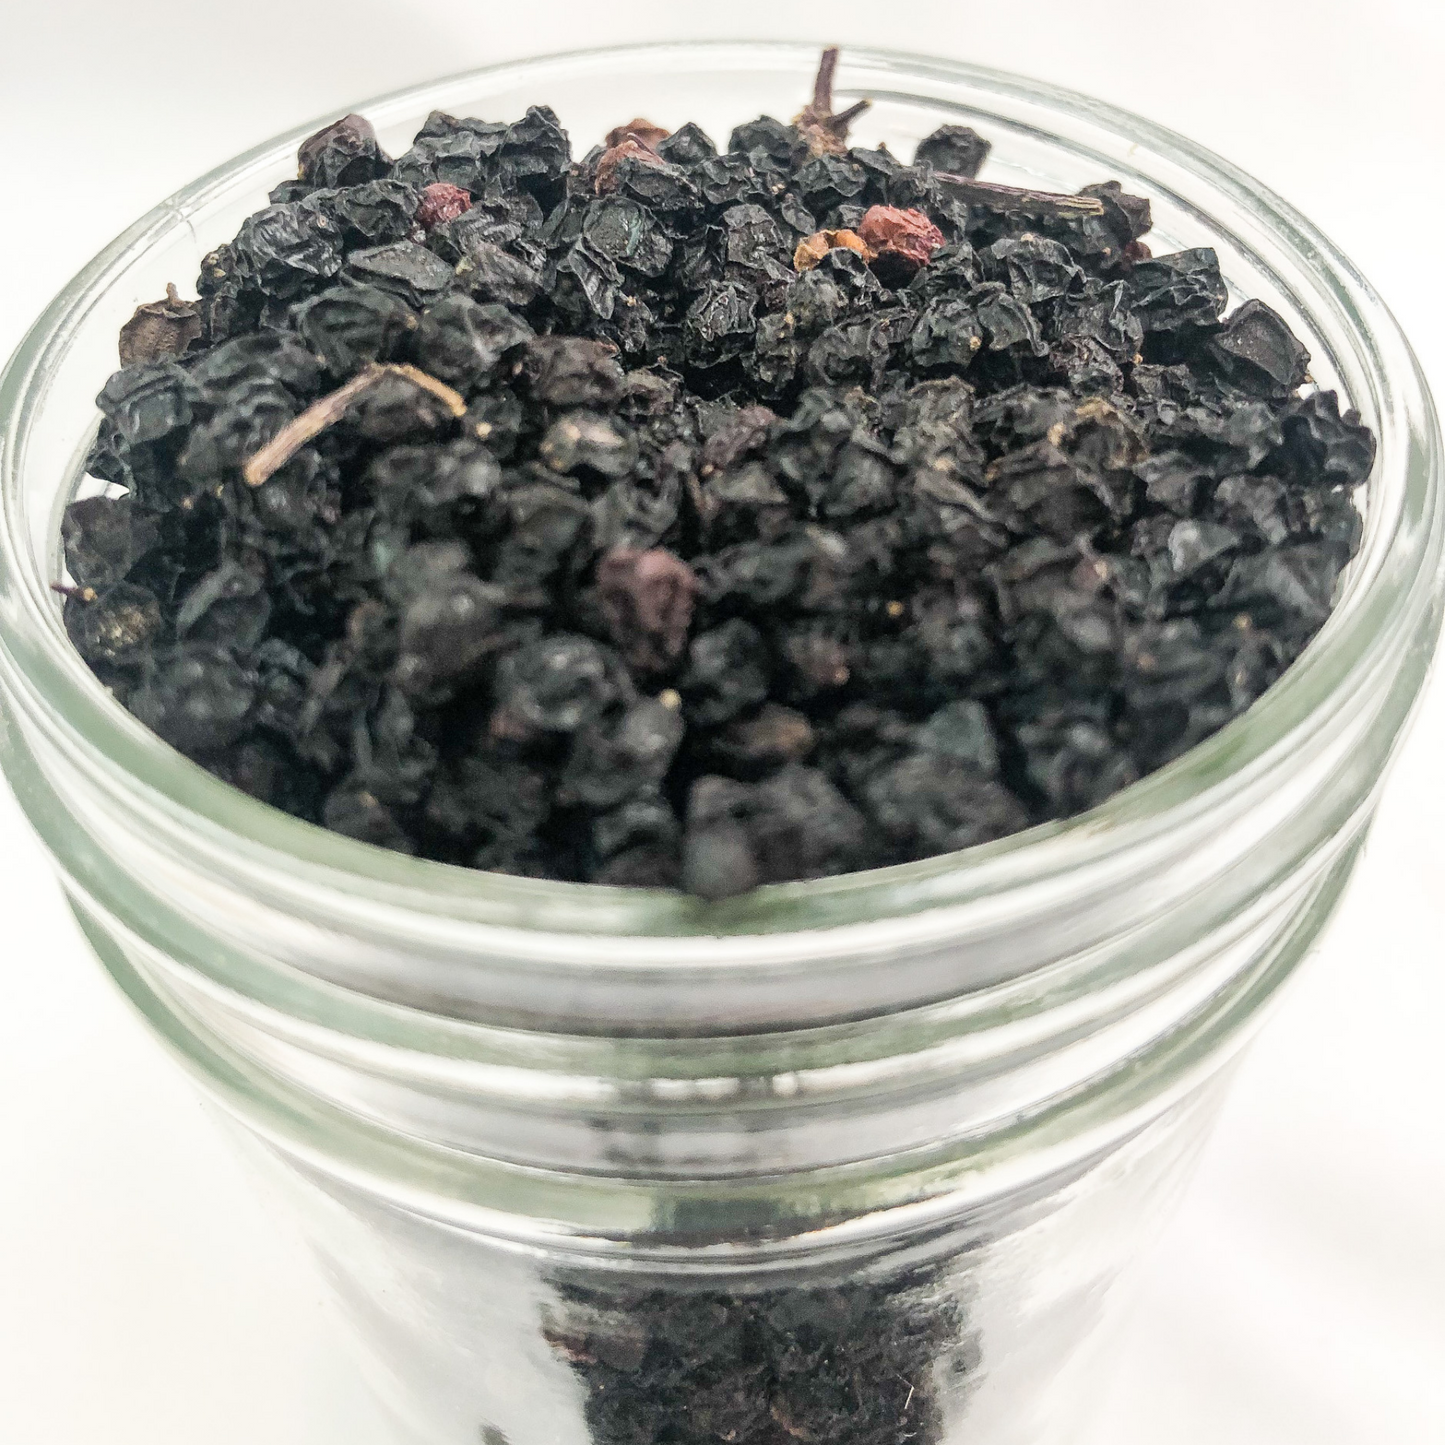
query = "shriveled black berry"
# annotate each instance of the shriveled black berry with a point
(197, 698)
(573, 372)
(727, 671)
(1185, 289)
(148, 403)
(623, 754)
(464, 342)
(491, 798)
(446, 627)
(957, 149)
(104, 538)
(587, 441)
(287, 251)
(1259, 352)
(404, 269)
(343, 154)
(116, 626)
(347, 326)
(553, 686)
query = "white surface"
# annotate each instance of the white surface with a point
(146, 1298)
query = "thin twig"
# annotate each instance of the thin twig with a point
(823, 81)
(329, 410)
(844, 118)
(825, 132)
(310, 424)
(1014, 198)
(452, 400)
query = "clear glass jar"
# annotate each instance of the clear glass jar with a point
(856, 1160)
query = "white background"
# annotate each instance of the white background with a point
(146, 1297)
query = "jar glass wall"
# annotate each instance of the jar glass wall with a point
(856, 1159)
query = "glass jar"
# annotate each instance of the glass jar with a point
(855, 1161)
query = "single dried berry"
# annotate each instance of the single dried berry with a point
(345, 153)
(287, 251)
(198, 697)
(115, 625)
(552, 686)
(573, 372)
(727, 672)
(907, 239)
(1259, 351)
(583, 440)
(466, 343)
(349, 326)
(104, 538)
(958, 149)
(612, 164)
(441, 202)
(647, 599)
(445, 627)
(160, 328)
(639, 130)
(404, 269)
(795, 824)
(622, 756)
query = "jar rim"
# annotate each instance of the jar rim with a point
(1395, 577)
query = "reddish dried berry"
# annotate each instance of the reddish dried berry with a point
(606, 178)
(442, 202)
(907, 236)
(640, 130)
(647, 599)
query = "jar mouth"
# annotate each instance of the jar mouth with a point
(1387, 589)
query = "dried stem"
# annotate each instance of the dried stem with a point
(452, 400)
(329, 410)
(84, 594)
(823, 81)
(845, 118)
(826, 133)
(995, 197)
(310, 424)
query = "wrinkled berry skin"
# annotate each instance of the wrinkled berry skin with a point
(906, 237)
(441, 202)
(198, 699)
(647, 598)
(674, 517)
(343, 154)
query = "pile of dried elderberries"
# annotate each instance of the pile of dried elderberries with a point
(685, 518)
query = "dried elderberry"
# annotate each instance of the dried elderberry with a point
(859, 1363)
(675, 516)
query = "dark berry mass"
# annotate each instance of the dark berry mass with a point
(679, 517)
